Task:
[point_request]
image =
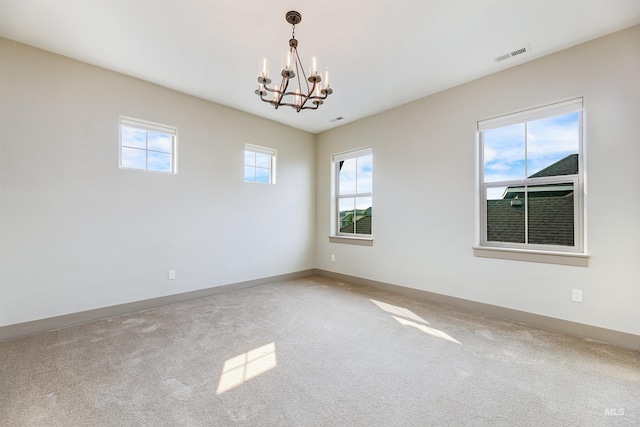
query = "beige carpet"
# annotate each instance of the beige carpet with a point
(314, 352)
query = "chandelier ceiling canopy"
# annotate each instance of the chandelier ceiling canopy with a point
(309, 92)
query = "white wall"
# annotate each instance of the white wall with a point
(78, 233)
(424, 189)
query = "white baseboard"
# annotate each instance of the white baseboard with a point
(609, 336)
(66, 320)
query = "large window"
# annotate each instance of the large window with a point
(531, 179)
(259, 164)
(147, 146)
(354, 193)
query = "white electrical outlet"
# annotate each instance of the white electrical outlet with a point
(172, 274)
(576, 295)
(333, 257)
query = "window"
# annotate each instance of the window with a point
(259, 164)
(531, 179)
(354, 184)
(148, 146)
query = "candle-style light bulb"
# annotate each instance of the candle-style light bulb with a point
(314, 65)
(326, 78)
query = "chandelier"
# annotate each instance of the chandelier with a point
(309, 93)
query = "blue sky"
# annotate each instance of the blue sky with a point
(356, 175)
(548, 140)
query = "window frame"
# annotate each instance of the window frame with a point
(484, 246)
(147, 126)
(338, 236)
(272, 152)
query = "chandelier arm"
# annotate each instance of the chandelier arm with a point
(304, 75)
(302, 95)
(296, 59)
(274, 90)
(290, 105)
(324, 96)
(306, 82)
(294, 94)
(284, 84)
(270, 101)
(273, 101)
(315, 107)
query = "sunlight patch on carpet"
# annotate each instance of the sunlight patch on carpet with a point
(427, 330)
(409, 318)
(400, 311)
(246, 366)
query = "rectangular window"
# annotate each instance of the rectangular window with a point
(531, 178)
(354, 193)
(259, 164)
(147, 146)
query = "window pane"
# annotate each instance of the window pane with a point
(249, 158)
(504, 153)
(551, 214)
(364, 174)
(363, 215)
(263, 175)
(133, 137)
(347, 176)
(249, 173)
(159, 142)
(134, 158)
(263, 160)
(346, 214)
(505, 215)
(158, 161)
(552, 146)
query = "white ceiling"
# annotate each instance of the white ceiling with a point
(381, 53)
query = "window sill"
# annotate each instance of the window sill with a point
(562, 258)
(361, 241)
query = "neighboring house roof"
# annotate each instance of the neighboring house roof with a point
(566, 166)
(363, 226)
(550, 221)
(551, 210)
(546, 190)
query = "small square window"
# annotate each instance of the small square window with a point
(259, 164)
(147, 146)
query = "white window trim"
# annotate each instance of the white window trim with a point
(336, 236)
(148, 125)
(264, 150)
(575, 255)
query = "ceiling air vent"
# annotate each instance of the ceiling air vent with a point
(516, 52)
